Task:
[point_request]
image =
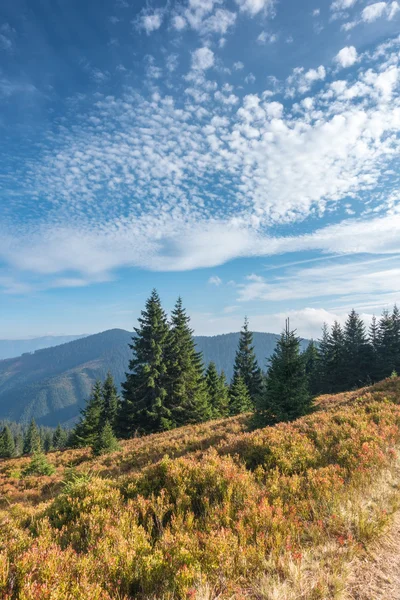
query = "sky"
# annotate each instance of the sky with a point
(243, 154)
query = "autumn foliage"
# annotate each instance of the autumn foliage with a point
(206, 511)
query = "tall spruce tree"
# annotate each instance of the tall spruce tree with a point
(246, 364)
(239, 397)
(336, 357)
(110, 402)
(32, 439)
(323, 360)
(217, 392)
(312, 364)
(287, 394)
(373, 337)
(187, 398)
(7, 443)
(86, 431)
(396, 338)
(60, 438)
(357, 352)
(143, 406)
(386, 363)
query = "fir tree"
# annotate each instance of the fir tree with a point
(336, 358)
(60, 438)
(246, 364)
(110, 402)
(32, 439)
(373, 337)
(217, 391)
(86, 431)
(106, 441)
(187, 398)
(357, 352)
(47, 440)
(385, 345)
(312, 365)
(323, 360)
(239, 397)
(287, 395)
(143, 407)
(396, 338)
(7, 444)
(39, 465)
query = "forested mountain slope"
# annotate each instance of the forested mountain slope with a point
(52, 384)
(14, 348)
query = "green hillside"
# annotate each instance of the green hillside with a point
(52, 384)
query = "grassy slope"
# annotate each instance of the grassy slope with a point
(208, 511)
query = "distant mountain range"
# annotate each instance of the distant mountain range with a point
(13, 348)
(52, 384)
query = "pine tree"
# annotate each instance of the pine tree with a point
(86, 431)
(110, 402)
(32, 439)
(7, 444)
(239, 397)
(217, 391)
(143, 408)
(106, 441)
(373, 337)
(357, 352)
(60, 438)
(47, 440)
(287, 395)
(246, 364)
(323, 359)
(336, 380)
(187, 398)
(312, 365)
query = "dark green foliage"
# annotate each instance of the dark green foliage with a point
(218, 392)
(7, 444)
(357, 353)
(106, 441)
(389, 343)
(60, 438)
(32, 439)
(336, 359)
(186, 398)
(38, 465)
(287, 395)
(312, 365)
(239, 397)
(110, 402)
(143, 407)
(246, 364)
(86, 431)
(47, 440)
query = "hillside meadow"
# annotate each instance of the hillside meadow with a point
(208, 511)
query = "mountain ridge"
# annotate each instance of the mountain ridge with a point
(51, 384)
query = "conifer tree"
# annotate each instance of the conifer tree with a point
(110, 402)
(106, 441)
(336, 358)
(87, 429)
(187, 398)
(47, 440)
(396, 338)
(239, 397)
(385, 345)
(60, 438)
(312, 365)
(217, 392)
(39, 465)
(142, 408)
(287, 395)
(323, 360)
(246, 364)
(357, 352)
(373, 337)
(32, 439)
(7, 443)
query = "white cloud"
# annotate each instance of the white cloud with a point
(253, 7)
(215, 280)
(266, 37)
(202, 59)
(238, 66)
(346, 57)
(316, 12)
(373, 12)
(179, 22)
(151, 21)
(339, 5)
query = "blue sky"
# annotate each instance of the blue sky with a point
(241, 153)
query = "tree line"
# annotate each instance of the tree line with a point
(17, 439)
(167, 385)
